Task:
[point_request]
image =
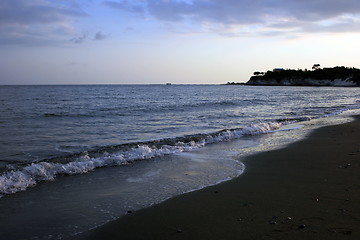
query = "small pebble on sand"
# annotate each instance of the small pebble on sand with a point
(302, 226)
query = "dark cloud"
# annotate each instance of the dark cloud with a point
(317, 10)
(37, 21)
(279, 14)
(26, 12)
(225, 12)
(85, 37)
(99, 36)
(126, 6)
(79, 39)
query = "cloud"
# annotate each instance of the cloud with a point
(24, 12)
(244, 16)
(84, 37)
(79, 39)
(74, 64)
(99, 36)
(37, 21)
(126, 6)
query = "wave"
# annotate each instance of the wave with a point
(59, 115)
(19, 177)
(294, 120)
(23, 177)
(329, 113)
(126, 110)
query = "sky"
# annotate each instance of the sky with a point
(177, 41)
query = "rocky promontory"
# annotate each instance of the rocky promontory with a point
(337, 76)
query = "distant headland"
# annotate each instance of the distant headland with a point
(336, 76)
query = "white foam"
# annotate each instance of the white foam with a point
(19, 180)
(261, 128)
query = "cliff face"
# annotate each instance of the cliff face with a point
(337, 76)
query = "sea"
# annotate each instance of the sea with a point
(74, 157)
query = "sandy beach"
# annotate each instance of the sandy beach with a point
(308, 190)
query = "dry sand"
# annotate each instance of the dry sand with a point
(308, 190)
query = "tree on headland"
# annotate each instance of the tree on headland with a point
(291, 76)
(258, 73)
(316, 66)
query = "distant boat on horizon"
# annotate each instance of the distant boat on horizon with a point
(168, 83)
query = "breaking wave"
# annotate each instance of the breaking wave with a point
(23, 177)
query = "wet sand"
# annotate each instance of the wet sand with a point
(308, 190)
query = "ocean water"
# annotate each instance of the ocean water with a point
(75, 157)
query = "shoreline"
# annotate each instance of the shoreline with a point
(308, 190)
